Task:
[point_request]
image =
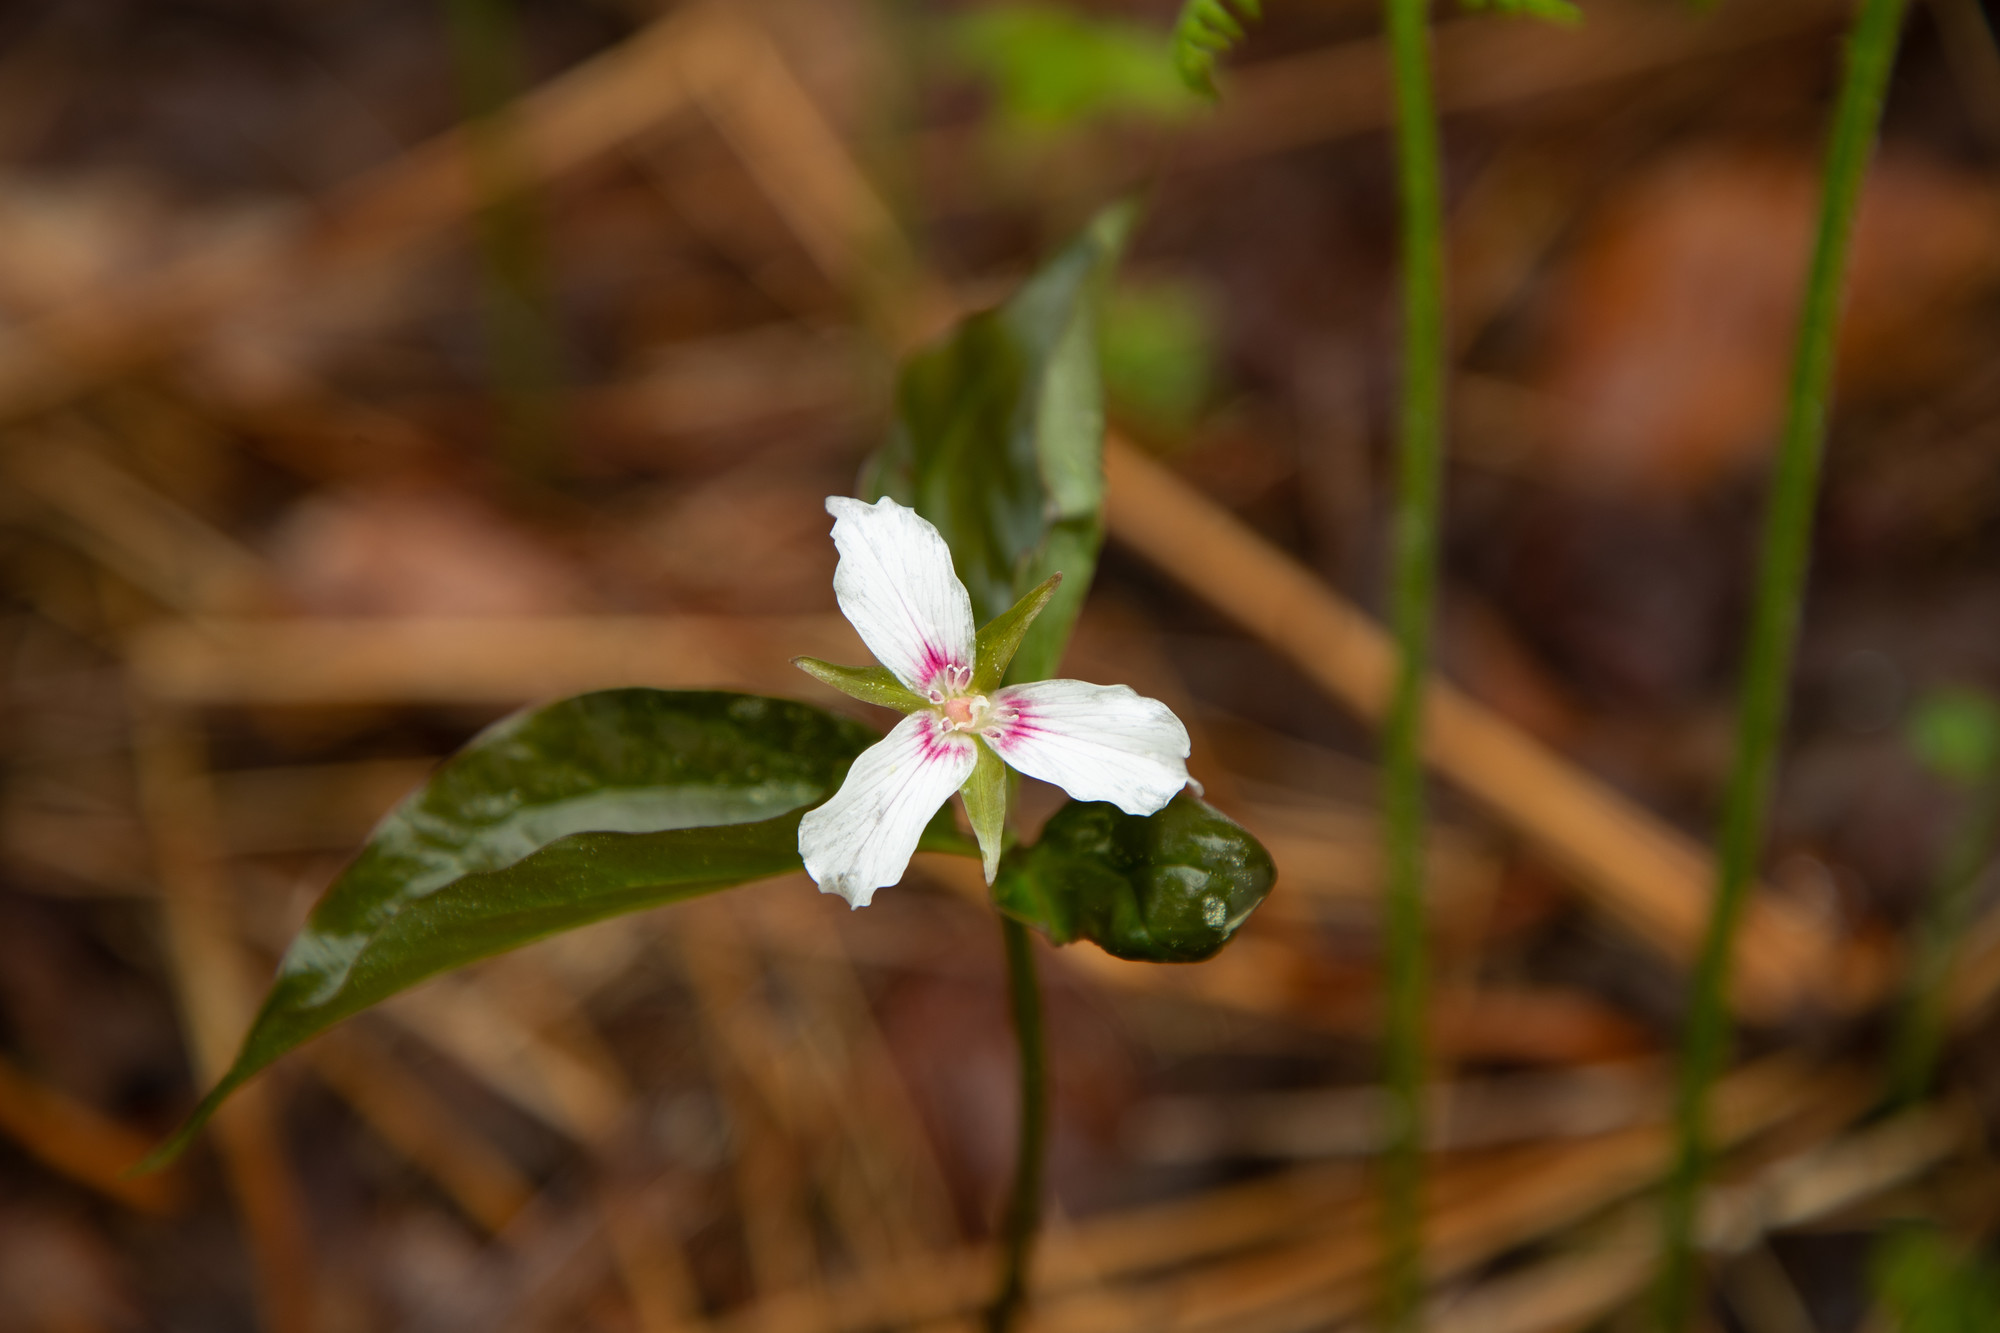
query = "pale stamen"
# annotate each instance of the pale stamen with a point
(948, 682)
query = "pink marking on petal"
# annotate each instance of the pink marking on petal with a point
(938, 740)
(1012, 723)
(935, 661)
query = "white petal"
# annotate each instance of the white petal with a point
(1096, 742)
(862, 839)
(896, 583)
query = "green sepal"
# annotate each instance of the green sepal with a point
(1169, 887)
(985, 794)
(871, 685)
(1003, 634)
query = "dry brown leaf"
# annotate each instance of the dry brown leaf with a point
(1674, 325)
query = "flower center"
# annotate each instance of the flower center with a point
(966, 712)
(949, 680)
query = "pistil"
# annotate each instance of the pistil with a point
(966, 712)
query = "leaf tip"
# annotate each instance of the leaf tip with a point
(157, 1160)
(169, 1151)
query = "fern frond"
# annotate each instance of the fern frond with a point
(1206, 29)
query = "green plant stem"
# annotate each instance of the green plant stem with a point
(1921, 1029)
(1418, 485)
(1773, 633)
(1024, 1199)
(523, 350)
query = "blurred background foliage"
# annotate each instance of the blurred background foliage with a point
(1160, 354)
(1957, 733)
(287, 513)
(1930, 1285)
(1053, 68)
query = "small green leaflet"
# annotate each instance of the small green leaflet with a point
(1170, 887)
(999, 441)
(557, 817)
(1204, 31)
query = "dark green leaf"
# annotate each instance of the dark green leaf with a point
(1170, 887)
(999, 441)
(871, 685)
(1000, 638)
(557, 817)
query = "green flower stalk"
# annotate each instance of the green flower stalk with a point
(1871, 54)
(1419, 468)
(1024, 1198)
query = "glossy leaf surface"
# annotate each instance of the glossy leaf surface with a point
(1170, 887)
(999, 441)
(557, 817)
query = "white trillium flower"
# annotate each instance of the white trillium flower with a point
(895, 582)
